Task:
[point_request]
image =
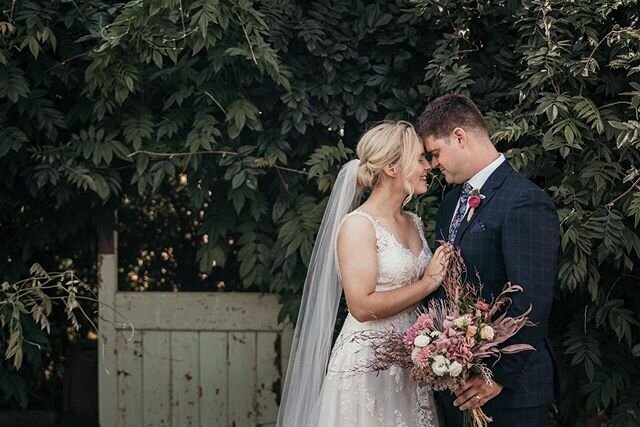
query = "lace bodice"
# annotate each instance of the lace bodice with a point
(397, 265)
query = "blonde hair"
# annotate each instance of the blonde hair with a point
(388, 143)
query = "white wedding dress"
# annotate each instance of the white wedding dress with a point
(387, 398)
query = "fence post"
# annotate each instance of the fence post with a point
(107, 288)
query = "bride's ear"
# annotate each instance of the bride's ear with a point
(391, 170)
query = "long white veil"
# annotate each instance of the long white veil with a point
(320, 299)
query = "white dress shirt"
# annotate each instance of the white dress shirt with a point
(478, 180)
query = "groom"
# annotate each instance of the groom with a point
(511, 236)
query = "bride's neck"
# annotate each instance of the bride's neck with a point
(385, 202)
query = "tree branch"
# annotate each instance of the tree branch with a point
(219, 152)
(284, 183)
(634, 185)
(171, 155)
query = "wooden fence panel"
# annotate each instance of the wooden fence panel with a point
(209, 359)
(129, 380)
(185, 378)
(156, 378)
(242, 379)
(214, 379)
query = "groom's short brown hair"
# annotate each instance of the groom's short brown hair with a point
(444, 114)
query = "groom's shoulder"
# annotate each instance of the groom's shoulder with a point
(519, 185)
(518, 182)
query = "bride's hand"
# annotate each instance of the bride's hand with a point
(437, 268)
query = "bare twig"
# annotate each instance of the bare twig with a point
(216, 101)
(568, 216)
(282, 168)
(103, 30)
(547, 34)
(184, 28)
(172, 155)
(29, 297)
(253, 55)
(284, 183)
(634, 185)
(79, 11)
(80, 55)
(218, 152)
(13, 7)
(609, 34)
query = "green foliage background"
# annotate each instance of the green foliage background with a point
(261, 102)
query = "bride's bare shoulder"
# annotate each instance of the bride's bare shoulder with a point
(358, 226)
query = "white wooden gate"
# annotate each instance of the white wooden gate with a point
(195, 359)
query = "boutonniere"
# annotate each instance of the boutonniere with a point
(474, 201)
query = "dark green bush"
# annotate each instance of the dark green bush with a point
(257, 105)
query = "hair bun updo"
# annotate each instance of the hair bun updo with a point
(366, 177)
(384, 144)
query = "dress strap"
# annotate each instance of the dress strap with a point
(371, 218)
(366, 215)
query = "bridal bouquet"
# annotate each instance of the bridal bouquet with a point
(452, 337)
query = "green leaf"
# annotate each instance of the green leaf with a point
(568, 134)
(239, 113)
(11, 139)
(101, 187)
(138, 129)
(13, 85)
(34, 46)
(238, 180)
(634, 208)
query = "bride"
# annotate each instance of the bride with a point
(385, 268)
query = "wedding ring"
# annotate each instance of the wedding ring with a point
(477, 397)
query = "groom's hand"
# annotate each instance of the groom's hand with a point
(475, 393)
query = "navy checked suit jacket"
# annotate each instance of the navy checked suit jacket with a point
(513, 236)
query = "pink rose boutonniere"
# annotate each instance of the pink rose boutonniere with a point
(474, 201)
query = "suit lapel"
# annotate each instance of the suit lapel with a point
(488, 190)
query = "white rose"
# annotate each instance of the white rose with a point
(455, 369)
(461, 322)
(439, 365)
(422, 341)
(486, 333)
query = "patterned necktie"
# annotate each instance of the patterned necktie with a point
(462, 207)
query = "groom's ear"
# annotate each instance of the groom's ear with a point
(459, 136)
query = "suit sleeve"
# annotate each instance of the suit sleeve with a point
(530, 247)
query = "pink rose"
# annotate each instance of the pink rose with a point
(474, 201)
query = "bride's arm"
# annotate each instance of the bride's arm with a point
(358, 263)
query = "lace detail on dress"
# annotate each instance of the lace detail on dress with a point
(397, 265)
(387, 398)
(427, 414)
